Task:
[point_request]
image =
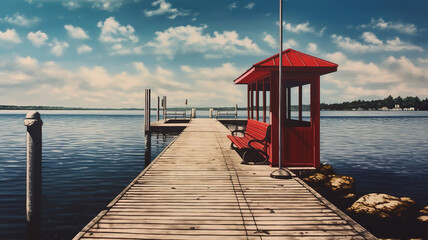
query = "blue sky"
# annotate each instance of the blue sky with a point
(104, 53)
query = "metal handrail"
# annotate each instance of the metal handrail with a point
(226, 114)
(175, 114)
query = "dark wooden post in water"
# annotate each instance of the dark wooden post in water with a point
(147, 130)
(236, 111)
(158, 111)
(148, 149)
(34, 174)
(147, 111)
(164, 107)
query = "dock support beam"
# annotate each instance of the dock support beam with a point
(34, 174)
(147, 111)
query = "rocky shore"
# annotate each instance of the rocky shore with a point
(383, 215)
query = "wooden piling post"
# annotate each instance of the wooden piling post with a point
(236, 111)
(157, 116)
(148, 149)
(34, 174)
(164, 107)
(147, 111)
(193, 112)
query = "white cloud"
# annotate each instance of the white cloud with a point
(76, 32)
(374, 44)
(20, 20)
(120, 38)
(407, 28)
(113, 32)
(9, 36)
(165, 8)
(38, 38)
(357, 79)
(71, 5)
(232, 6)
(250, 5)
(84, 49)
(291, 43)
(269, 40)
(57, 47)
(301, 27)
(216, 84)
(107, 5)
(191, 39)
(312, 47)
(371, 38)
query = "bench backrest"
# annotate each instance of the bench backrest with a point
(258, 130)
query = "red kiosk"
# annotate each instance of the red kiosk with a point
(302, 138)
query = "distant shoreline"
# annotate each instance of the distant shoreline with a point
(293, 108)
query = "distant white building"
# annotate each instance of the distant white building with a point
(384, 109)
(397, 108)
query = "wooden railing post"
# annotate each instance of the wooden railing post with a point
(34, 174)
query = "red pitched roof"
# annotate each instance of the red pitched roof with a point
(292, 61)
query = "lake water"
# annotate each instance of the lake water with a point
(90, 156)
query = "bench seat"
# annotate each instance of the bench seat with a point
(255, 139)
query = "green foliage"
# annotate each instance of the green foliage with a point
(388, 102)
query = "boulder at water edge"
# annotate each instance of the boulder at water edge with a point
(384, 214)
(326, 169)
(384, 206)
(341, 185)
(316, 178)
(422, 222)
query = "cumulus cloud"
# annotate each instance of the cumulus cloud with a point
(165, 9)
(120, 38)
(269, 40)
(20, 20)
(250, 5)
(26, 81)
(291, 43)
(216, 84)
(9, 36)
(57, 47)
(191, 39)
(312, 47)
(84, 49)
(299, 28)
(38, 38)
(76, 32)
(407, 28)
(357, 79)
(373, 44)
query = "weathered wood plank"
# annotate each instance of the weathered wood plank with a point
(197, 189)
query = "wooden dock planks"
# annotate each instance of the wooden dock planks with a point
(197, 189)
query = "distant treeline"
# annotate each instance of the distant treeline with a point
(388, 102)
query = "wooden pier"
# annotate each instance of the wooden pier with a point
(197, 189)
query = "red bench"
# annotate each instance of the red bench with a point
(254, 142)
